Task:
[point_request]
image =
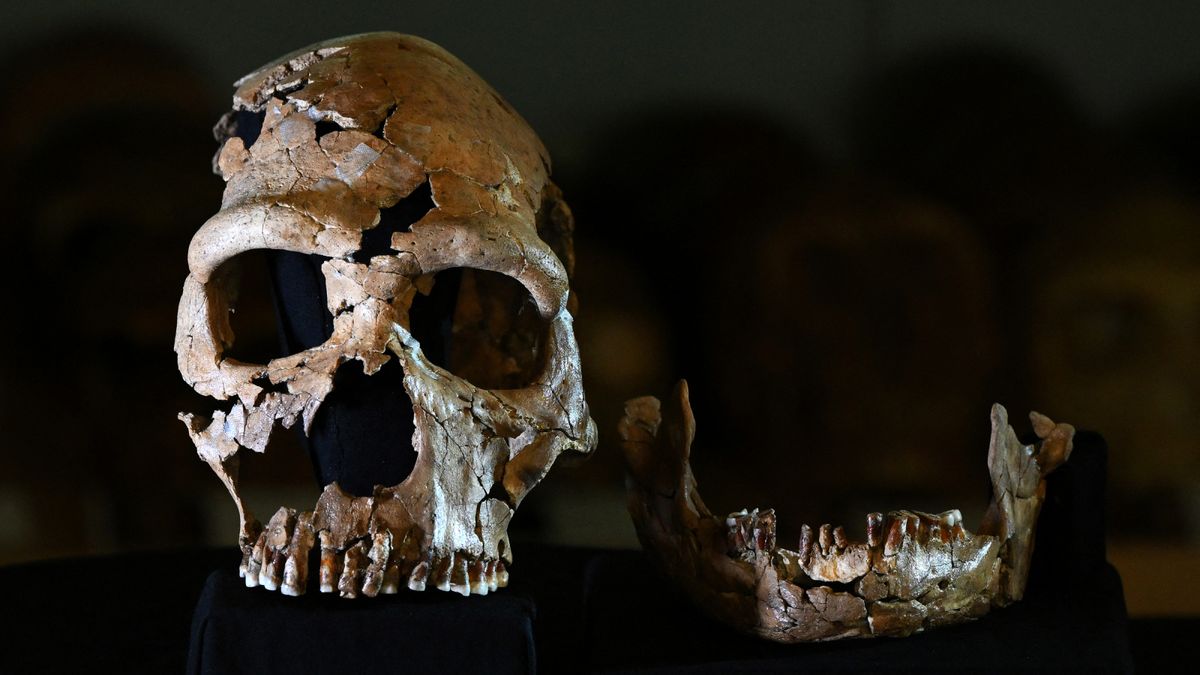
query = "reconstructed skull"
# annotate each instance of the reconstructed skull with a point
(351, 127)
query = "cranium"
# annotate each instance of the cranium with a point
(350, 127)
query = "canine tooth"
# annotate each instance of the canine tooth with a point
(501, 574)
(806, 540)
(254, 568)
(825, 538)
(874, 529)
(839, 537)
(895, 536)
(416, 580)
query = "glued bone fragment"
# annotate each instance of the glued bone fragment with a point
(916, 571)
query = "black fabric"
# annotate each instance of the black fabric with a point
(238, 630)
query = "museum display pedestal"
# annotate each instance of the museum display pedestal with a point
(241, 630)
(587, 610)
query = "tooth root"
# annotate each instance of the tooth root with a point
(330, 565)
(825, 538)
(839, 538)
(895, 537)
(874, 529)
(381, 550)
(806, 540)
(420, 573)
(350, 582)
(254, 567)
(501, 574)
(295, 572)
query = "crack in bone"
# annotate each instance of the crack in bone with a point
(917, 570)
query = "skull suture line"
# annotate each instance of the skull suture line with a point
(404, 113)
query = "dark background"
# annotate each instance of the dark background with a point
(851, 225)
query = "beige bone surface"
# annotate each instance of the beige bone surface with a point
(395, 112)
(916, 570)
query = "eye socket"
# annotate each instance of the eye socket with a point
(250, 307)
(481, 326)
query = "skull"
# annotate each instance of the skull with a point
(350, 127)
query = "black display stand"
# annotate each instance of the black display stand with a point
(573, 610)
(238, 630)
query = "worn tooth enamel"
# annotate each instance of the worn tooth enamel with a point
(501, 574)
(254, 567)
(839, 538)
(805, 546)
(895, 536)
(825, 538)
(416, 580)
(874, 529)
(330, 567)
(350, 582)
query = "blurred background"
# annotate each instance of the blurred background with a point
(851, 226)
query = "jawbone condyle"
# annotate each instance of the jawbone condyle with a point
(915, 571)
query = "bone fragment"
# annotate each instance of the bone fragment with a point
(916, 571)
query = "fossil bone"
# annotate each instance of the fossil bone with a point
(350, 127)
(915, 571)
